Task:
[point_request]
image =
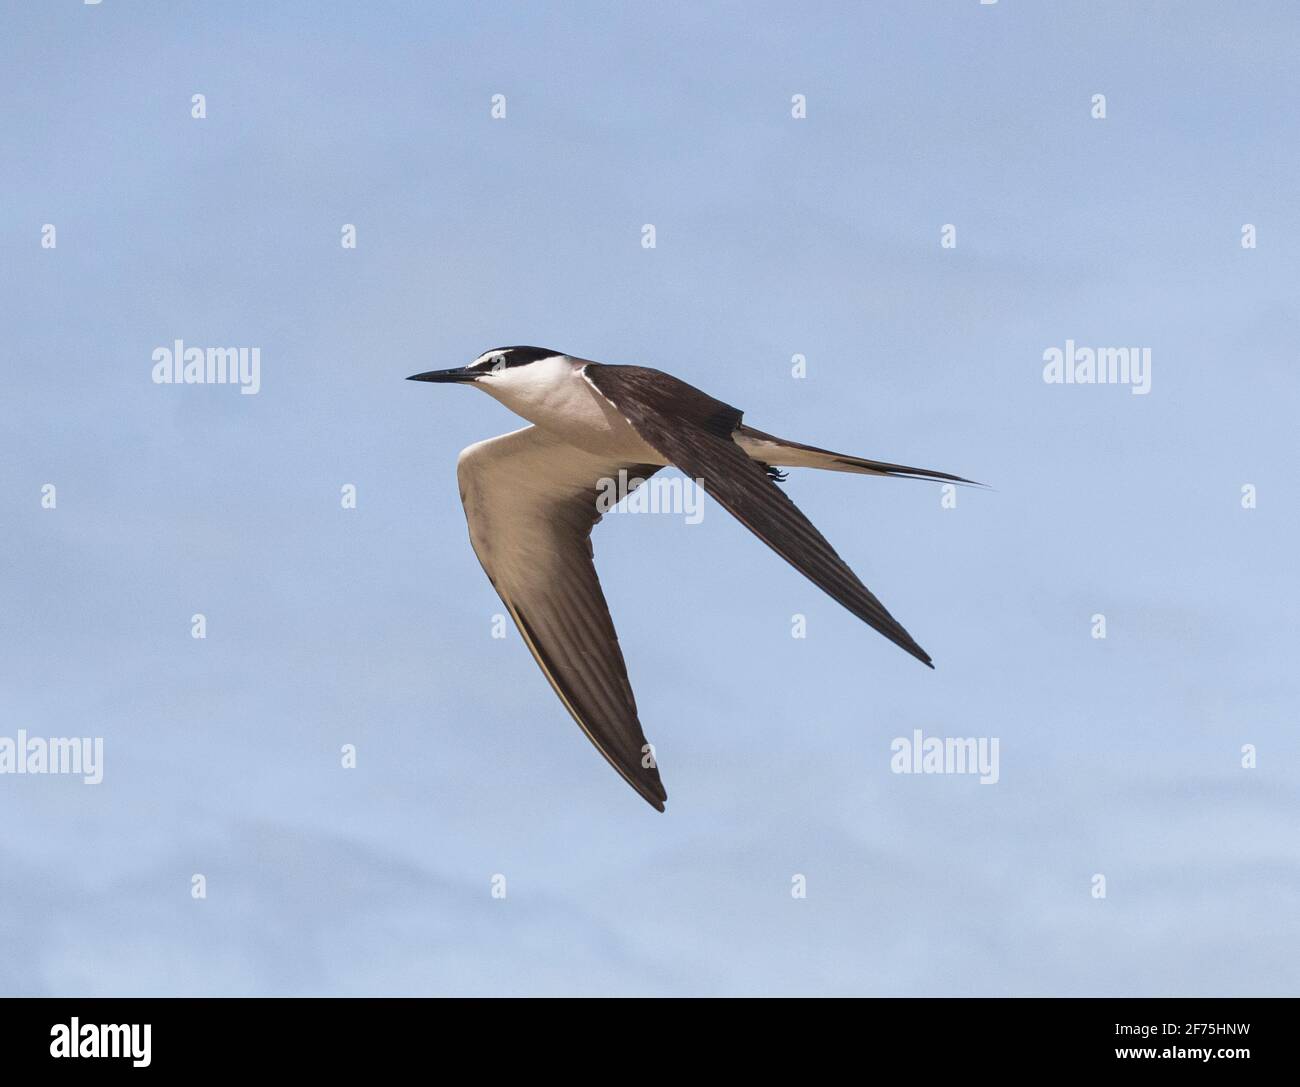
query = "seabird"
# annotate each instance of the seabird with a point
(530, 498)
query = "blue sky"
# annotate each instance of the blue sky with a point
(774, 236)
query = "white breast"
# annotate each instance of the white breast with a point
(552, 394)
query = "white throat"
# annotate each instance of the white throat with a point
(551, 393)
(546, 387)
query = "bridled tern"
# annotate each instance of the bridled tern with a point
(531, 496)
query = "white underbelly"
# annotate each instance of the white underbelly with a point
(575, 413)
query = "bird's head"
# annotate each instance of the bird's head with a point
(501, 365)
(530, 381)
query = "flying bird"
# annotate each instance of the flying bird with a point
(531, 499)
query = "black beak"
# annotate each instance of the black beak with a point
(459, 373)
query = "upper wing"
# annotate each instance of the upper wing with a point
(531, 503)
(694, 432)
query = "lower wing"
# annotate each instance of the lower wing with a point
(531, 503)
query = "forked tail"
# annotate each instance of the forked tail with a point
(779, 453)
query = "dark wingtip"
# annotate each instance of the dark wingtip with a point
(916, 651)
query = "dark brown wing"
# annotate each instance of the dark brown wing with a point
(693, 431)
